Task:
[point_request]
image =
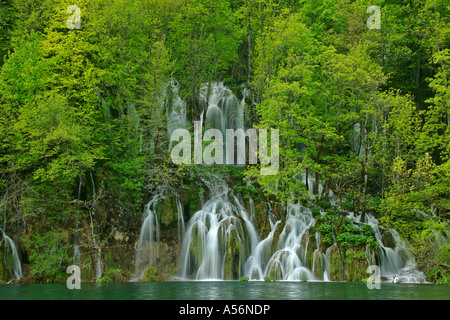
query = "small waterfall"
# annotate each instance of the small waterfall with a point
(224, 111)
(406, 271)
(94, 195)
(147, 254)
(338, 269)
(397, 264)
(98, 257)
(16, 271)
(76, 252)
(319, 264)
(181, 226)
(99, 264)
(215, 118)
(76, 247)
(176, 111)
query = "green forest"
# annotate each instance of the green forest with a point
(85, 105)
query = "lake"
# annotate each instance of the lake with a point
(225, 290)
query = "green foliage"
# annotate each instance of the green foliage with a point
(108, 275)
(344, 231)
(351, 255)
(315, 211)
(431, 251)
(246, 191)
(48, 255)
(158, 274)
(243, 279)
(324, 204)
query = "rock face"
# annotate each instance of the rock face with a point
(334, 263)
(355, 265)
(318, 264)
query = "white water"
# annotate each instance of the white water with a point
(288, 262)
(148, 246)
(16, 271)
(397, 264)
(221, 222)
(98, 256)
(176, 111)
(223, 110)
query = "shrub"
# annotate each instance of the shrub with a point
(48, 256)
(315, 211)
(155, 274)
(324, 204)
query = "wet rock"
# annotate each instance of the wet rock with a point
(334, 263)
(318, 264)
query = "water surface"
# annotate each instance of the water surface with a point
(225, 290)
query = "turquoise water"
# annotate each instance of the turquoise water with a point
(225, 290)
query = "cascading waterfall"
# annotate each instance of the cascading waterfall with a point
(221, 242)
(397, 264)
(99, 263)
(288, 262)
(176, 111)
(223, 110)
(148, 246)
(218, 239)
(16, 271)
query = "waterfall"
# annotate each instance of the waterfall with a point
(99, 264)
(16, 271)
(181, 226)
(220, 242)
(176, 111)
(288, 262)
(223, 111)
(218, 239)
(76, 247)
(404, 269)
(98, 257)
(148, 245)
(397, 264)
(76, 252)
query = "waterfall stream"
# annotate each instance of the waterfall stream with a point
(16, 271)
(148, 246)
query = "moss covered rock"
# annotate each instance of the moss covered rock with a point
(334, 263)
(355, 265)
(318, 264)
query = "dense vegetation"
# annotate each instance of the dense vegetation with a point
(83, 112)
